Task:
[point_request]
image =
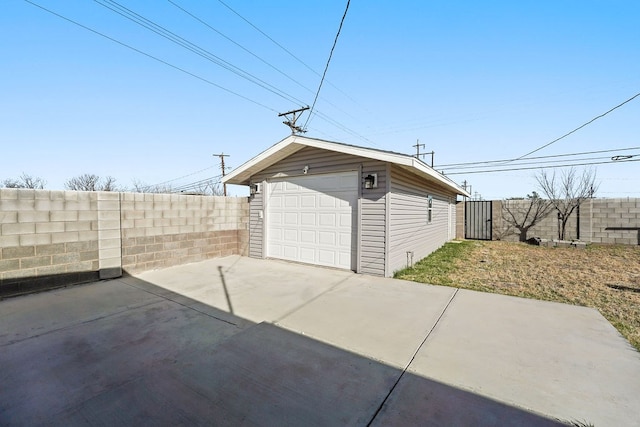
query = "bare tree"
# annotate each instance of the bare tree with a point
(525, 213)
(141, 187)
(567, 192)
(209, 188)
(91, 182)
(25, 181)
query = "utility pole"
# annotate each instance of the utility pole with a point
(291, 122)
(432, 154)
(418, 145)
(418, 153)
(466, 185)
(222, 156)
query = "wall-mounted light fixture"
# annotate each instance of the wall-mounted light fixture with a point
(371, 181)
(255, 188)
(305, 169)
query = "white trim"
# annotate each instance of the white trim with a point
(387, 224)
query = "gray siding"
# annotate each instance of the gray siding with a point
(373, 221)
(256, 225)
(372, 204)
(409, 230)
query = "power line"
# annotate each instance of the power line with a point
(203, 22)
(203, 79)
(196, 185)
(580, 127)
(182, 177)
(547, 163)
(487, 162)
(335, 41)
(545, 167)
(239, 45)
(283, 48)
(150, 56)
(169, 35)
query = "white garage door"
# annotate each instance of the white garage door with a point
(312, 219)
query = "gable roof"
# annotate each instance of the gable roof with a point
(294, 143)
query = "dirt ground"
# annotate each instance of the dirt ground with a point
(603, 277)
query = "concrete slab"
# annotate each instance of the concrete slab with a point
(254, 289)
(564, 361)
(38, 314)
(421, 401)
(47, 378)
(384, 319)
(186, 350)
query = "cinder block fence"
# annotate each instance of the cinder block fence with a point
(55, 238)
(606, 221)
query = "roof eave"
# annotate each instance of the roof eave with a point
(289, 145)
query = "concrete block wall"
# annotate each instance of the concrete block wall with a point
(160, 230)
(615, 213)
(547, 228)
(55, 238)
(47, 239)
(600, 221)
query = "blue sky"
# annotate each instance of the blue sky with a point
(473, 81)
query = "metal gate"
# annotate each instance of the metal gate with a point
(477, 220)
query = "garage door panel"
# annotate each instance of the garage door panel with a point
(290, 252)
(289, 186)
(307, 236)
(345, 258)
(344, 203)
(291, 202)
(308, 219)
(275, 250)
(327, 257)
(327, 220)
(290, 218)
(275, 202)
(327, 238)
(308, 201)
(312, 219)
(345, 239)
(327, 202)
(290, 235)
(276, 234)
(346, 220)
(276, 218)
(307, 255)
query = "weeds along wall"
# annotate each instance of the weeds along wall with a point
(50, 239)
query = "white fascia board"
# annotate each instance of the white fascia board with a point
(279, 151)
(241, 174)
(420, 166)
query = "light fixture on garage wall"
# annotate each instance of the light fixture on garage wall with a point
(255, 188)
(371, 181)
(305, 169)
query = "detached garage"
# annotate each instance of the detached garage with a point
(343, 206)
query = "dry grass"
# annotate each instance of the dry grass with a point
(603, 277)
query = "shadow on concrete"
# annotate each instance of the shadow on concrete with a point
(127, 352)
(226, 291)
(26, 285)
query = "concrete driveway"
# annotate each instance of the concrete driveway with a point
(240, 341)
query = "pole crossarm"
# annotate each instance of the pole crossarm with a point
(291, 121)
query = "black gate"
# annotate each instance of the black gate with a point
(477, 220)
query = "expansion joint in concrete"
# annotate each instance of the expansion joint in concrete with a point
(415, 353)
